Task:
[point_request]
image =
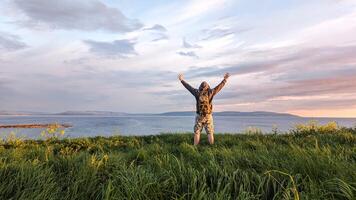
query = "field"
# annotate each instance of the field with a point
(309, 162)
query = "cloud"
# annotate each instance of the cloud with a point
(116, 48)
(292, 94)
(188, 53)
(288, 78)
(121, 90)
(237, 69)
(298, 90)
(156, 27)
(217, 33)
(160, 37)
(273, 67)
(6, 88)
(158, 32)
(327, 85)
(87, 15)
(128, 79)
(136, 80)
(284, 60)
(188, 45)
(222, 27)
(199, 8)
(279, 97)
(10, 42)
(313, 93)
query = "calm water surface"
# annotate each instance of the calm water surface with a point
(145, 125)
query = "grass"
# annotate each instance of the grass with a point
(309, 162)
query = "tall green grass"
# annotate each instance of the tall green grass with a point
(309, 162)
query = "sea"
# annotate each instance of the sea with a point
(90, 126)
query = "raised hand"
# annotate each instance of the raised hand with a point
(226, 76)
(180, 77)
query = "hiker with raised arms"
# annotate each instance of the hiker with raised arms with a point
(204, 107)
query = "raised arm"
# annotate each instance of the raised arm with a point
(187, 86)
(221, 85)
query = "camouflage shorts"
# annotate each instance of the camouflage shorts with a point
(204, 122)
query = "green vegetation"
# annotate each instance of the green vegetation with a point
(310, 162)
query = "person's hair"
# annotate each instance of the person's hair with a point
(204, 85)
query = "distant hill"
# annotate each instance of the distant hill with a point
(232, 113)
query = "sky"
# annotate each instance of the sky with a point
(293, 56)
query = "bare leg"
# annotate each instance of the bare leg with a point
(197, 129)
(211, 138)
(209, 128)
(196, 139)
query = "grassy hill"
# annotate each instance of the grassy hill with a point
(310, 162)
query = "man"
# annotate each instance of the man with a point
(204, 97)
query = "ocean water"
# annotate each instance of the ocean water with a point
(145, 125)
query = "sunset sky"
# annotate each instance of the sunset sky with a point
(295, 56)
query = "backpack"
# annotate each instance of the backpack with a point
(204, 103)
